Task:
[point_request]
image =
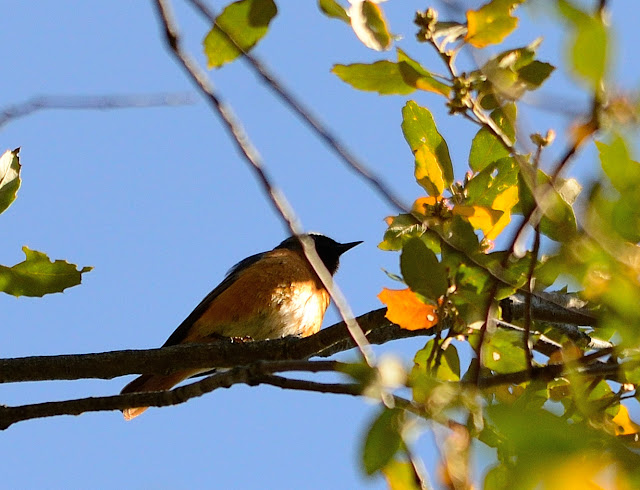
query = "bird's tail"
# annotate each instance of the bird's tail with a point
(151, 382)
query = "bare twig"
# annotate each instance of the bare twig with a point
(87, 102)
(551, 371)
(252, 375)
(251, 156)
(306, 115)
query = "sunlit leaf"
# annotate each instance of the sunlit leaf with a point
(486, 148)
(492, 181)
(618, 165)
(401, 228)
(37, 275)
(441, 364)
(333, 9)
(625, 425)
(383, 440)
(241, 24)
(369, 24)
(415, 75)
(505, 202)
(421, 270)
(384, 77)
(9, 178)
(433, 167)
(491, 23)
(405, 309)
(559, 221)
(503, 352)
(588, 44)
(480, 217)
(400, 475)
(513, 72)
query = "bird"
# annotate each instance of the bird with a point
(265, 296)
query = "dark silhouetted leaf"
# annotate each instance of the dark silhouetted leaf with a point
(421, 270)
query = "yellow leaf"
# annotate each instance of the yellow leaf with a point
(584, 471)
(624, 425)
(503, 202)
(400, 475)
(405, 309)
(491, 23)
(428, 171)
(480, 217)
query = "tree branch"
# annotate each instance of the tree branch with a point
(252, 375)
(87, 102)
(221, 353)
(251, 156)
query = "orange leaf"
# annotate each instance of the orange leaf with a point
(405, 309)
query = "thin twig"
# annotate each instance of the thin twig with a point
(91, 102)
(251, 156)
(306, 115)
(251, 375)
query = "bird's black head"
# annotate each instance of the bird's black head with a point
(328, 250)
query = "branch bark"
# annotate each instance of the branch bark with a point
(222, 353)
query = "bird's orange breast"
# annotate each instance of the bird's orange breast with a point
(277, 296)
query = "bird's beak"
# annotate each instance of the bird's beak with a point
(343, 247)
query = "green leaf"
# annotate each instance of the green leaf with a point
(9, 178)
(588, 44)
(446, 368)
(487, 148)
(383, 440)
(389, 78)
(433, 167)
(245, 22)
(421, 270)
(491, 23)
(534, 74)
(37, 275)
(383, 77)
(559, 220)
(416, 76)
(333, 9)
(623, 172)
(459, 233)
(513, 72)
(503, 352)
(401, 228)
(493, 180)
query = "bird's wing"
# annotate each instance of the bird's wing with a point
(183, 329)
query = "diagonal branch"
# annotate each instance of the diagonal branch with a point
(305, 114)
(251, 156)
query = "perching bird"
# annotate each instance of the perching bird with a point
(265, 296)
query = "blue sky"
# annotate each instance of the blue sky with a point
(160, 204)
